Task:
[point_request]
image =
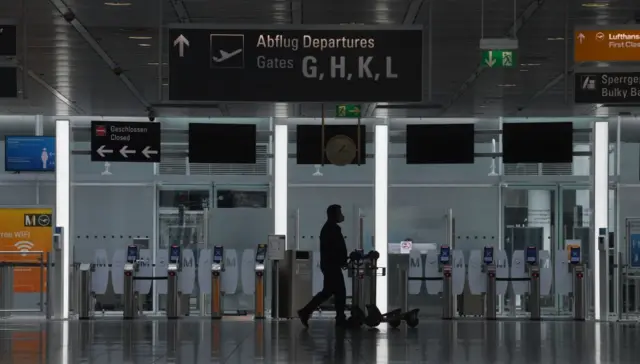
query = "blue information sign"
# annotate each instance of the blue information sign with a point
(174, 254)
(532, 255)
(487, 256)
(445, 255)
(133, 254)
(217, 254)
(575, 255)
(29, 154)
(634, 251)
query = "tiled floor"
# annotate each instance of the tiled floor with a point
(193, 341)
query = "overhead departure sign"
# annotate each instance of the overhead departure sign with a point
(296, 64)
(125, 141)
(8, 40)
(607, 87)
(613, 44)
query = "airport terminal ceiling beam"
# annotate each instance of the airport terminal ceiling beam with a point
(70, 17)
(534, 5)
(409, 19)
(56, 93)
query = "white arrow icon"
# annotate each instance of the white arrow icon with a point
(181, 41)
(490, 61)
(124, 151)
(102, 152)
(581, 37)
(147, 152)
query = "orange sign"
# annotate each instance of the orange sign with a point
(25, 230)
(612, 45)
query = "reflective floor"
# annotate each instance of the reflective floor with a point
(242, 341)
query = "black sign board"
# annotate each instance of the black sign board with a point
(296, 64)
(125, 141)
(8, 40)
(8, 82)
(607, 87)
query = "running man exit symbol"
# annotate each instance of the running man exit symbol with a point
(507, 59)
(498, 58)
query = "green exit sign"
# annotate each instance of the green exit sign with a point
(499, 58)
(348, 111)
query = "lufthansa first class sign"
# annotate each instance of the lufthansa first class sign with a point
(296, 64)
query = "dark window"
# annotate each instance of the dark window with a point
(190, 200)
(234, 198)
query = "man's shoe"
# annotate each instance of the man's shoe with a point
(304, 318)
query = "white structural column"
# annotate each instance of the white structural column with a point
(280, 179)
(63, 210)
(381, 190)
(600, 213)
(539, 214)
(581, 168)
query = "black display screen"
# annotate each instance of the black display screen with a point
(217, 254)
(175, 254)
(440, 144)
(133, 254)
(261, 253)
(537, 142)
(488, 255)
(445, 255)
(222, 143)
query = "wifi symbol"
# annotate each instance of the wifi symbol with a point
(23, 246)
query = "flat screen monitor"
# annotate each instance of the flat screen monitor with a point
(222, 143)
(174, 254)
(532, 255)
(133, 254)
(574, 254)
(261, 253)
(445, 255)
(537, 142)
(30, 154)
(487, 256)
(218, 254)
(440, 144)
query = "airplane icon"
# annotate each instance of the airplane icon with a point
(226, 55)
(226, 51)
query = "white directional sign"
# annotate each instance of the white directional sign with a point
(125, 141)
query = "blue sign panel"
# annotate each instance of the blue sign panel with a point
(174, 254)
(261, 253)
(487, 256)
(217, 254)
(445, 255)
(29, 154)
(532, 255)
(634, 251)
(133, 254)
(574, 255)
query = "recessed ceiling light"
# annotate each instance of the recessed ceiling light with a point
(144, 45)
(595, 5)
(139, 37)
(556, 38)
(117, 3)
(507, 85)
